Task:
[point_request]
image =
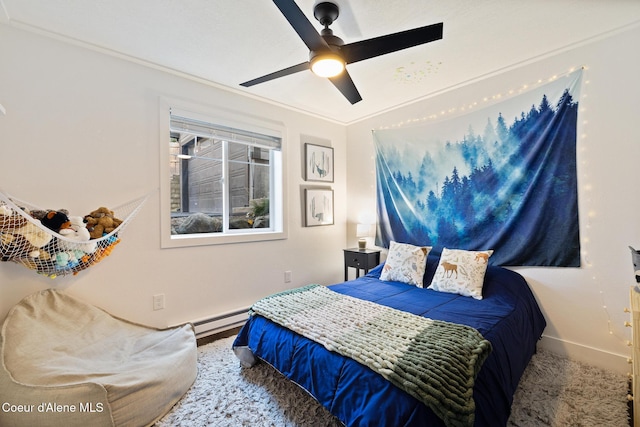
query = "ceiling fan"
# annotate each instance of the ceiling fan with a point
(328, 55)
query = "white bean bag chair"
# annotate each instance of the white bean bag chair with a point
(67, 363)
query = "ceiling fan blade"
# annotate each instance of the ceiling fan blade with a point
(345, 85)
(285, 72)
(365, 49)
(301, 24)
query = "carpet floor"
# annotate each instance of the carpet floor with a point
(553, 391)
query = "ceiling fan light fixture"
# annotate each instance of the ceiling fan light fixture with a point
(328, 54)
(327, 65)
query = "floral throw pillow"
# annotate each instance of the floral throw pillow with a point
(461, 272)
(405, 263)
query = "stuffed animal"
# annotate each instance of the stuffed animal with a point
(10, 219)
(23, 242)
(56, 221)
(79, 233)
(101, 221)
(20, 239)
(68, 259)
(104, 251)
(39, 213)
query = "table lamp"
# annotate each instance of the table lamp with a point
(362, 232)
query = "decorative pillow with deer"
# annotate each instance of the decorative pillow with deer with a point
(405, 263)
(461, 272)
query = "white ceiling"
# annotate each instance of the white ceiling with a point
(227, 42)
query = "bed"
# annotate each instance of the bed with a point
(506, 315)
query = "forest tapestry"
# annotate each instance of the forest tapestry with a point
(501, 178)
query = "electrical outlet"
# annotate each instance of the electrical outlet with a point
(287, 276)
(158, 302)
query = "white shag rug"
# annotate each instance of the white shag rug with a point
(553, 392)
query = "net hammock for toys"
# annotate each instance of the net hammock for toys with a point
(25, 240)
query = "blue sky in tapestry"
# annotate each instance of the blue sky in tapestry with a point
(501, 178)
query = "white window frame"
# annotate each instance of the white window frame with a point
(277, 195)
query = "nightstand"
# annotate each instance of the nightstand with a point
(364, 259)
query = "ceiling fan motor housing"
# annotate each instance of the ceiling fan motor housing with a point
(326, 12)
(334, 42)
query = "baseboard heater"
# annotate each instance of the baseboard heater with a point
(221, 323)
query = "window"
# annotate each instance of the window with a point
(225, 182)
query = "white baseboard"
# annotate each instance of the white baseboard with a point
(220, 323)
(581, 353)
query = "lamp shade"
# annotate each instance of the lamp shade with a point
(362, 230)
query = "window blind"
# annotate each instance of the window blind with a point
(210, 130)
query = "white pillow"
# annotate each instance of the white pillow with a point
(405, 263)
(461, 272)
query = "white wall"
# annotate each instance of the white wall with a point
(81, 131)
(572, 299)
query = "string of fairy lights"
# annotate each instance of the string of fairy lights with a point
(483, 102)
(587, 186)
(619, 332)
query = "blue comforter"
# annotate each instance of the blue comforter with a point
(508, 316)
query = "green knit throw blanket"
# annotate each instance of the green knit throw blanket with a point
(435, 361)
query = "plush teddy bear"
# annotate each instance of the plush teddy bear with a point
(101, 221)
(79, 233)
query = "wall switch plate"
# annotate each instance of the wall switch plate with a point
(287, 276)
(158, 302)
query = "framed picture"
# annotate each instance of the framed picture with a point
(318, 207)
(319, 163)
